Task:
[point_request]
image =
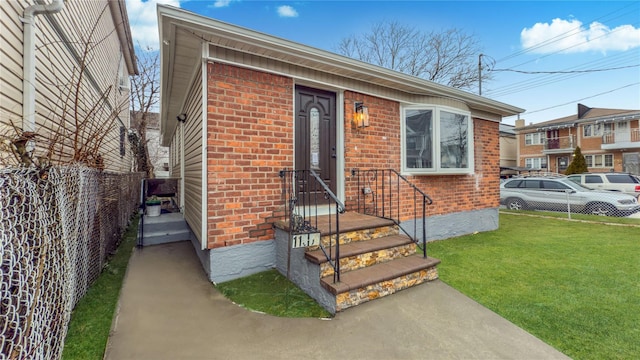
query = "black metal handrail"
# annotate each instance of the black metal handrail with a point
(383, 193)
(305, 194)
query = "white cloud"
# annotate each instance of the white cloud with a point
(144, 21)
(287, 11)
(222, 3)
(571, 36)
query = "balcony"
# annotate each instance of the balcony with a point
(559, 145)
(613, 140)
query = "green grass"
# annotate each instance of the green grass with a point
(91, 319)
(585, 217)
(573, 284)
(270, 292)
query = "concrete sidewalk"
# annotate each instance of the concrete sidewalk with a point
(169, 310)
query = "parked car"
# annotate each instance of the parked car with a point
(562, 194)
(623, 182)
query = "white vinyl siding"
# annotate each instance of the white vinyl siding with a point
(60, 40)
(193, 157)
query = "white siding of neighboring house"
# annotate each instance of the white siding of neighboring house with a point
(60, 40)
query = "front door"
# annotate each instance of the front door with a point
(315, 133)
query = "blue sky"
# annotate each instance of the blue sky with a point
(589, 35)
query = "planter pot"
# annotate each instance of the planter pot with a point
(153, 210)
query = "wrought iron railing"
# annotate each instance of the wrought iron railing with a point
(306, 196)
(387, 194)
(560, 143)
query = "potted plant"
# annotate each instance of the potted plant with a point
(153, 205)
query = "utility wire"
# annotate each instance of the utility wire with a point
(566, 34)
(546, 79)
(584, 98)
(565, 72)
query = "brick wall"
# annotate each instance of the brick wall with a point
(249, 138)
(378, 146)
(480, 190)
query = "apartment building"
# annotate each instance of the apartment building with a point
(608, 138)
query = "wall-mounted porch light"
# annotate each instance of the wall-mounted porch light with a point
(360, 115)
(182, 117)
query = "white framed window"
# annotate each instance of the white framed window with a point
(589, 130)
(595, 130)
(436, 140)
(599, 160)
(535, 163)
(533, 138)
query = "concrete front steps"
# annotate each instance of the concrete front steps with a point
(375, 261)
(166, 228)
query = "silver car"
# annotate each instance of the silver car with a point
(562, 194)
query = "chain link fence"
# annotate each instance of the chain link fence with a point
(57, 227)
(562, 194)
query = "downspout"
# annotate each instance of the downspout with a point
(29, 62)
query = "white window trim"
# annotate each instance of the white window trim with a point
(436, 170)
(536, 160)
(603, 160)
(537, 138)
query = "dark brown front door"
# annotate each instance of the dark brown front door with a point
(315, 133)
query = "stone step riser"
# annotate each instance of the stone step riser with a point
(385, 288)
(368, 259)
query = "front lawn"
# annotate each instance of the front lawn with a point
(574, 285)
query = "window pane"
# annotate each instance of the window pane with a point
(532, 184)
(598, 160)
(454, 140)
(592, 179)
(608, 160)
(528, 139)
(419, 135)
(620, 179)
(589, 160)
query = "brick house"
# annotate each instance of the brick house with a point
(608, 138)
(239, 106)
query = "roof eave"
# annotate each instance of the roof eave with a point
(360, 70)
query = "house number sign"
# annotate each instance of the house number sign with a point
(314, 134)
(306, 239)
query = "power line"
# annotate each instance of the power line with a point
(584, 98)
(547, 79)
(565, 72)
(564, 35)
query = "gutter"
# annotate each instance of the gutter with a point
(29, 65)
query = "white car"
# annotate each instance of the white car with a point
(623, 182)
(562, 194)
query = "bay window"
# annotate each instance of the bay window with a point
(437, 140)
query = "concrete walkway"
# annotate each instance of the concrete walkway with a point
(169, 310)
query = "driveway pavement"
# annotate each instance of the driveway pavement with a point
(169, 310)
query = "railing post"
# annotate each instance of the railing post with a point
(424, 227)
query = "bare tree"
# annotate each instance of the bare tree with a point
(448, 57)
(145, 91)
